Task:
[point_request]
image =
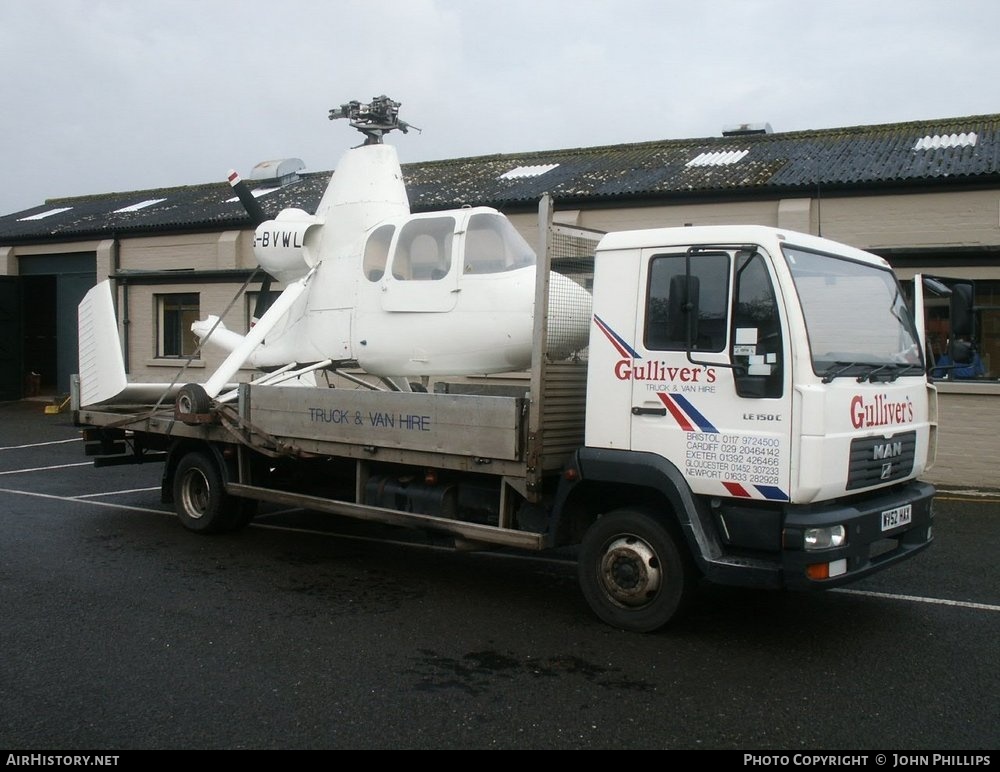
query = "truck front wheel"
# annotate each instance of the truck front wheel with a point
(200, 496)
(633, 571)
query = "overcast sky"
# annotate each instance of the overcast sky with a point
(102, 96)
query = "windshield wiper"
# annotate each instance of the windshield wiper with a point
(870, 375)
(831, 373)
(841, 368)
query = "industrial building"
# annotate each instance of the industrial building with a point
(925, 195)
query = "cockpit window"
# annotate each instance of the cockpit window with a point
(493, 245)
(424, 249)
(377, 252)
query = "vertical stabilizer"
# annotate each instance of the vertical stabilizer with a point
(102, 368)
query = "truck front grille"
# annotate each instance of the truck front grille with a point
(878, 460)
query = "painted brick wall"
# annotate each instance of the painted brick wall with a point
(968, 441)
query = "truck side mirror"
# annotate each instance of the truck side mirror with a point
(682, 309)
(960, 311)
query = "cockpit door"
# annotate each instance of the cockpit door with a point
(423, 267)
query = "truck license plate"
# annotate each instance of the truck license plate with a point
(892, 518)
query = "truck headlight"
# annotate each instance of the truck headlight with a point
(824, 538)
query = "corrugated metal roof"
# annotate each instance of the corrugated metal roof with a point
(952, 151)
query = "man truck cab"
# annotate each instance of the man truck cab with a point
(772, 385)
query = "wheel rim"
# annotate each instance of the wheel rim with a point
(195, 493)
(630, 572)
(184, 404)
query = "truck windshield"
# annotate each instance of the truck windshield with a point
(856, 318)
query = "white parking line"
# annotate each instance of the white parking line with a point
(47, 468)
(92, 503)
(919, 599)
(41, 444)
(115, 493)
(984, 497)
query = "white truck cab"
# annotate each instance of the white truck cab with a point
(772, 386)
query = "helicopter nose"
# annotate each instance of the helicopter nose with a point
(569, 316)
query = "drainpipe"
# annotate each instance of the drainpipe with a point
(125, 325)
(121, 283)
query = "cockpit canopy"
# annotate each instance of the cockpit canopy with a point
(430, 247)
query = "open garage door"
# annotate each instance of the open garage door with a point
(52, 287)
(11, 364)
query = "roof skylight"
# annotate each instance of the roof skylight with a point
(43, 215)
(140, 205)
(948, 140)
(720, 158)
(522, 172)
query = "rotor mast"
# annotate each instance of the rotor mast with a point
(374, 119)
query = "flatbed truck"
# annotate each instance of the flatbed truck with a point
(753, 409)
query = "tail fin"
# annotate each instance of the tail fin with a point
(102, 368)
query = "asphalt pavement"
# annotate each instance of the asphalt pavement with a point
(121, 630)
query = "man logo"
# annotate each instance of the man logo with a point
(887, 450)
(886, 471)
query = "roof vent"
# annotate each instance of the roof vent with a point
(746, 129)
(282, 171)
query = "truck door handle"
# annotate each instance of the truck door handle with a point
(649, 411)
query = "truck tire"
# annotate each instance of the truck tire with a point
(634, 571)
(200, 496)
(191, 400)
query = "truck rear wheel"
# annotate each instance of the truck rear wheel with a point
(633, 571)
(200, 497)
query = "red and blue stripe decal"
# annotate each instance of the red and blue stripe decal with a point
(686, 414)
(770, 492)
(689, 418)
(617, 340)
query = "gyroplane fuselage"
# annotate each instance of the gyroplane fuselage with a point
(399, 294)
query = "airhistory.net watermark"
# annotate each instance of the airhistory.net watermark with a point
(59, 760)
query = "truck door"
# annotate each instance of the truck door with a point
(710, 385)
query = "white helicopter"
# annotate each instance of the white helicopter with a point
(368, 284)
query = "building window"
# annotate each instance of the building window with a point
(254, 313)
(175, 314)
(988, 325)
(983, 338)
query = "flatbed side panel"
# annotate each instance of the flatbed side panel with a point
(162, 422)
(487, 427)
